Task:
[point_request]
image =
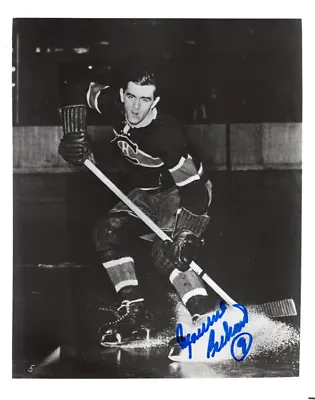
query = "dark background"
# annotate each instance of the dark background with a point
(241, 70)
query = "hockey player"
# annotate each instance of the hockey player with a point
(171, 190)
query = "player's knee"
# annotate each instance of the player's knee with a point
(106, 232)
(108, 253)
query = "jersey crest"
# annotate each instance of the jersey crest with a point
(134, 154)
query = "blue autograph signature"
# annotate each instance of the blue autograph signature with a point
(243, 340)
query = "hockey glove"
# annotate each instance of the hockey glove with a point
(186, 237)
(74, 147)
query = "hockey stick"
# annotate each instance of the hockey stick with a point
(289, 305)
(156, 229)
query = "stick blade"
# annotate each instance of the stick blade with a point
(275, 309)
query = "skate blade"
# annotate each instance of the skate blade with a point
(183, 358)
(177, 354)
(137, 336)
(179, 358)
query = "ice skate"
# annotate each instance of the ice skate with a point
(197, 329)
(130, 323)
(177, 352)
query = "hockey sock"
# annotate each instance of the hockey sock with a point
(122, 274)
(191, 291)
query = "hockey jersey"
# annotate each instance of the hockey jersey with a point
(158, 154)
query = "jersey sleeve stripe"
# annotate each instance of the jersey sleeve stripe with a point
(179, 165)
(88, 95)
(96, 101)
(93, 94)
(188, 180)
(186, 173)
(200, 170)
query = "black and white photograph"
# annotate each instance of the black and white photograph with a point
(157, 197)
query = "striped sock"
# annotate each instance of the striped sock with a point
(122, 273)
(187, 284)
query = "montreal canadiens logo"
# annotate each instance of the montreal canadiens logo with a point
(135, 155)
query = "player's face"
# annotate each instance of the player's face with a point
(138, 101)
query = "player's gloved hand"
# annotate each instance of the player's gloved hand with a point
(74, 148)
(187, 238)
(183, 250)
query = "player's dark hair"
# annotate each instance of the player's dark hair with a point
(146, 78)
(141, 76)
